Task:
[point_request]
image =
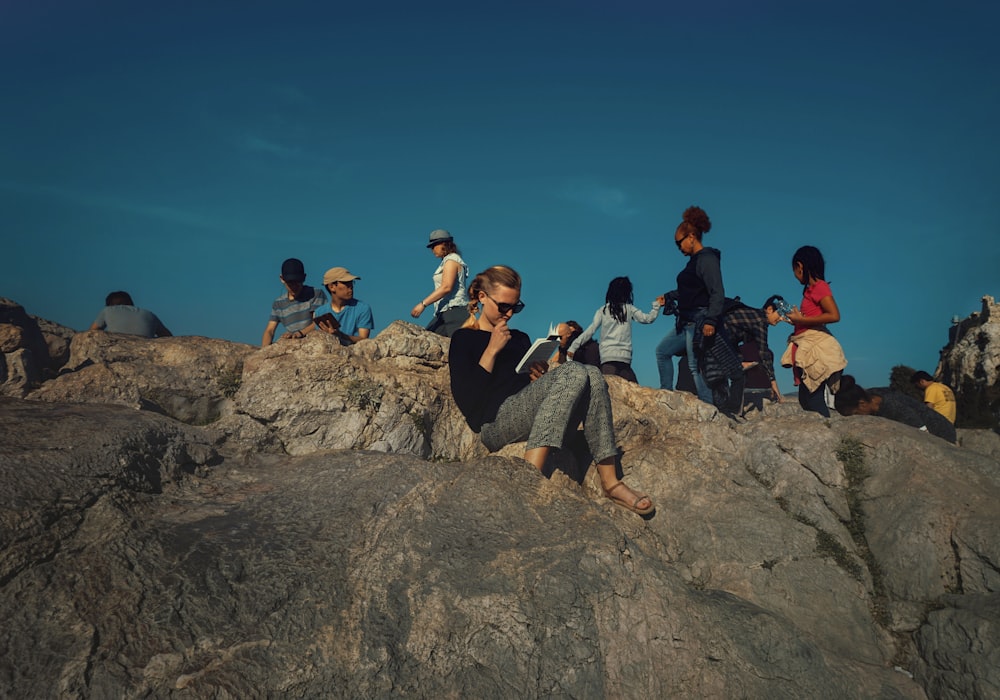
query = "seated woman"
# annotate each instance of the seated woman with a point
(852, 400)
(538, 406)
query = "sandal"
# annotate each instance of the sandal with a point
(633, 506)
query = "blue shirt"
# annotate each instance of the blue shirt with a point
(130, 319)
(355, 315)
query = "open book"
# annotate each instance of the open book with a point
(540, 351)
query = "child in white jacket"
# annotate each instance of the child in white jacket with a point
(614, 320)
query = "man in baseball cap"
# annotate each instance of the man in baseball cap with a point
(294, 309)
(353, 315)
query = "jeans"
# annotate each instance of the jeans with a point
(674, 343)
(814, 400)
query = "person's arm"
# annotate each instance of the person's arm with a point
(363, 326)
(268, 333)
(449, 276)
(643, 317)
(472, 363)
(710, 272)
(499, 337)
(363, 334)
(585, 335)
(830, 314)
(99, 323)
(159, 330)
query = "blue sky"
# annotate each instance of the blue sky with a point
(181, 151)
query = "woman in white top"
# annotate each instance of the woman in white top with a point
(450, 298)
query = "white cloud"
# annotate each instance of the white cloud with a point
(117, 204)
(260, 145)
(610, 201)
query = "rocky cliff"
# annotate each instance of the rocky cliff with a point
(970, 364)
(312, 520)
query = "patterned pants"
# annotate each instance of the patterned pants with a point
(547, 409)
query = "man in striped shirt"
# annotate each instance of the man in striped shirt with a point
(294, 309)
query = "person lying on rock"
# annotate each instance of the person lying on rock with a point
(120, 315)
(852, 400)
(539, 406)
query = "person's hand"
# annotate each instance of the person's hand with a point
(708, 330)
(499, 337)
(417, 310)
(326, 327)
(775, 393)
(293, 334)
(537, 369)
(660, 301)
(794, 316)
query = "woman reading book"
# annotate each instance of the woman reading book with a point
(539, 406)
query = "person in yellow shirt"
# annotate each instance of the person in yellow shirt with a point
(938, 396)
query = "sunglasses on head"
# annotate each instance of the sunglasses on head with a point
(517, 307)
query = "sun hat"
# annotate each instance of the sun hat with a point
(439, 236)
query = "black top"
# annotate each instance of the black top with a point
(906, 409)
(477, 392)
(699, 285)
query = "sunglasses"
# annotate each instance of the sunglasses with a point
(516, 308)
(680, 240)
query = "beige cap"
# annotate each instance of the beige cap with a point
(338, 274)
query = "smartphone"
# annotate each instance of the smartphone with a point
(327, 318)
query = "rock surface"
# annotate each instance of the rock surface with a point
(31, 349)
(970, 364)
(189, 378)
(339, 531)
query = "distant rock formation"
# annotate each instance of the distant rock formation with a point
(337, 531)
(970, 364)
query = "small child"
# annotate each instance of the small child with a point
(614, 320)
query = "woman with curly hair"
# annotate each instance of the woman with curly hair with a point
(700, 297)
(538, 406)
(614, 320)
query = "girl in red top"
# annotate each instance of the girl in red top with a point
(818, 309)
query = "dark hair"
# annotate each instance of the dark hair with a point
(450, 247)
(921, 375)
(813, 266)
(118, 299)
(486, 281)
(619, 294)
(773, 301)
(695, 222)
(848, 396)
(574, 325)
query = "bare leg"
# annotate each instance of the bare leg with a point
(537, 456)
(608, 472)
